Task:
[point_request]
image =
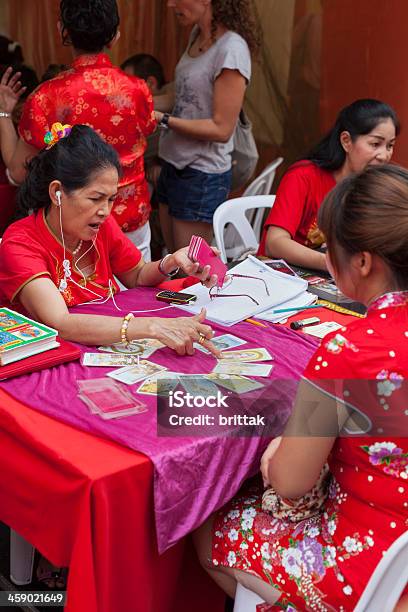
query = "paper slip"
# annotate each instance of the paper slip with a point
(234, 382)
(144, 347)
(109, 360)
(304, 299)
(223, 343)
(243, 369)
(163, 382)
(132, 374)
(258, 354)
(320, 331)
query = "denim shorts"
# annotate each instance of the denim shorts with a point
(190, 194)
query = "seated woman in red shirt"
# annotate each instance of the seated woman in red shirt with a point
(364, 134)
(69, 250)
(321, 555)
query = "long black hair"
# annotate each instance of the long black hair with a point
(73, 161)
(89, 25)
(359, 118)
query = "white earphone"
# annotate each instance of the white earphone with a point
(58, 196)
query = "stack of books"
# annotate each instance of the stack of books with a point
(20, 337)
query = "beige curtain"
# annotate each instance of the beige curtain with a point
(274, 98)
(146, 26)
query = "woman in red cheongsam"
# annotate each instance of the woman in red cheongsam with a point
(325, 561)
(93, 92)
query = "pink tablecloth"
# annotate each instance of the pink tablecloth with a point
(193, 476)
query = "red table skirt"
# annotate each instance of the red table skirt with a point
(87, 503)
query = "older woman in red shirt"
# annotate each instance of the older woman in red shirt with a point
(69, 250)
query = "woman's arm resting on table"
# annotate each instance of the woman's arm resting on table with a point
(44, 302)
(280, 245)
(294, 466)
(229, 91)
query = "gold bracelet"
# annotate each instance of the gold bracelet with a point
(123, 330)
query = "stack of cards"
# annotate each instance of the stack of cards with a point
(222, 343)
(133, 374)
(107, 399)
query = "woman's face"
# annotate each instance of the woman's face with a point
(371, 149)
(84, 210)
(189, 12)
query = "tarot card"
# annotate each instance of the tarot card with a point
(132, 374)
(198, 384)
(145, 347)
(109, 360)
(222, 343)
(243, 369)
(257, 354)
(161, 384)
(236, 383)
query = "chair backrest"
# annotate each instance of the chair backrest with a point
(381, 593)
(233, 211)
(388, 580)
(262, 185)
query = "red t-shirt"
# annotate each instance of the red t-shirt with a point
(29, 250)
(117, 106)
(298, 199)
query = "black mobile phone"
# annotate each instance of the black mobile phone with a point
(175, 297)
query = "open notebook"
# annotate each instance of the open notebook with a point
(230, 310)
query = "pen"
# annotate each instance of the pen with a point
(295, 308)
(255, 323)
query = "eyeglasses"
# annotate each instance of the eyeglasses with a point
(215, 291)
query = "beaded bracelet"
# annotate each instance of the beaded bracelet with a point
(124, 328)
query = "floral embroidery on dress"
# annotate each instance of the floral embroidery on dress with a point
(390, 382)
(335, 345)
(396, 298)
(388, 455)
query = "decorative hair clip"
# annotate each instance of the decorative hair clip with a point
(57, 132)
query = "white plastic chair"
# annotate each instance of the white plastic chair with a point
(388, 580)
(246, 600)
(234, 212)
(262, 185)
(21, 559)
(382, 592)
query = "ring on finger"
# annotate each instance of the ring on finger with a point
(201, 339)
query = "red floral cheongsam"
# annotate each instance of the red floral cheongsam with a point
(117, 106)
(324, 563)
